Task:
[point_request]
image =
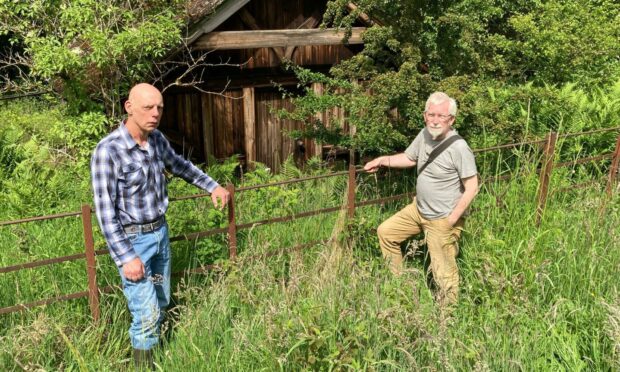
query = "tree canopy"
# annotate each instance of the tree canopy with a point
(89, 50)
(515, 68)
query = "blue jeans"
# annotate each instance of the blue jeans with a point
(148, 298)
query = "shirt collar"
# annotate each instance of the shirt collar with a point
(126, 137)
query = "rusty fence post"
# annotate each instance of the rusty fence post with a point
(91, 263)
(351, 192)
(545, 175)
(232, 226)
(613, 171)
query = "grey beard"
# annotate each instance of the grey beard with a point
(434, 133)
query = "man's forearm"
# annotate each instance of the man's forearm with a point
(471, 190)
(121, 249)
(396, 161)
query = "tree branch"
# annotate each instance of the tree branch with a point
(193, 71)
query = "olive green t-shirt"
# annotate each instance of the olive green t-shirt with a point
(439, 187)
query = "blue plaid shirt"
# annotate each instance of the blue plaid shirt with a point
(130, 186)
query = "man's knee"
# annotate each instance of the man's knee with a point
(147, 316)
(384, 230)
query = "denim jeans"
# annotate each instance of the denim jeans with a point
(148, 298)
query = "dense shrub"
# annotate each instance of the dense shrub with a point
(517, 69)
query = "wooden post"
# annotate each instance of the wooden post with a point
(352, 131)
(613, 171)
(249, 121)
(317, 88)
(207, 125)
(545, 175)
(232, 227)
(91, 263)
(351, 192)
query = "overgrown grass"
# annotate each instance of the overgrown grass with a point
(532, 298)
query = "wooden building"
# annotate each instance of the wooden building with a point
(231, 110)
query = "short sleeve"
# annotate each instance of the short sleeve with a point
(413, 150)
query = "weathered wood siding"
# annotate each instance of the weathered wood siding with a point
(181, 123)
(273, 144)
(227, 119)
(276, 15)
(201, 124)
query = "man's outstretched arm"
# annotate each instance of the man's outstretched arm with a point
(391, 161)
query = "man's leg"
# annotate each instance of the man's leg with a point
(442, 243)
(160, 270)
(142, 297)
(394, 231)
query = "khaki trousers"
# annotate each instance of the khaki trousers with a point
(441, 241)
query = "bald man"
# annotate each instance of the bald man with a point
(131, 200)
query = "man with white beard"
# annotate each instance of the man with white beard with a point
(446, 185)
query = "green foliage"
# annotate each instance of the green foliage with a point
(82, 133)
(570, 41)
(547, 42)
(516, 69)
(335, 308)
(92, 50)
(44, 156)
(271, 201)
(200, 215)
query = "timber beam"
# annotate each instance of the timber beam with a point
(225, 40)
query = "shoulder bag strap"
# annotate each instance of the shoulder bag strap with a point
(438, 150)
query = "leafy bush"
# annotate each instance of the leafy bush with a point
(517, 69)
(44, 155)
(91, 50)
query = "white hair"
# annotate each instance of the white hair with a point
(438, 98)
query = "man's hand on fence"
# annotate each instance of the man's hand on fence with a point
(220, 197)
(134, 270)
(373, 165)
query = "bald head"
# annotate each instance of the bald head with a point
(141, 90)
(144, 107)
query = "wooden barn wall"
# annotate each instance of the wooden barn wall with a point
(273, 145)
(199, 124)
(225, 116)
(179, 123)
(276, 14)
(303, 55)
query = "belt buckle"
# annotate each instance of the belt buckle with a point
(152, 226)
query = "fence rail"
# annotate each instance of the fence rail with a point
(94, 291)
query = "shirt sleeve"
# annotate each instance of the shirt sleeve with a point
(464, 160)
(104, 179)
(414, 148)
(184, 168)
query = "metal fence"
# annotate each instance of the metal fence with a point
(94, 291)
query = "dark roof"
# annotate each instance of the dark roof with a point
(198, 9)
(214, 13)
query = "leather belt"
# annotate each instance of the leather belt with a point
(145, 227)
